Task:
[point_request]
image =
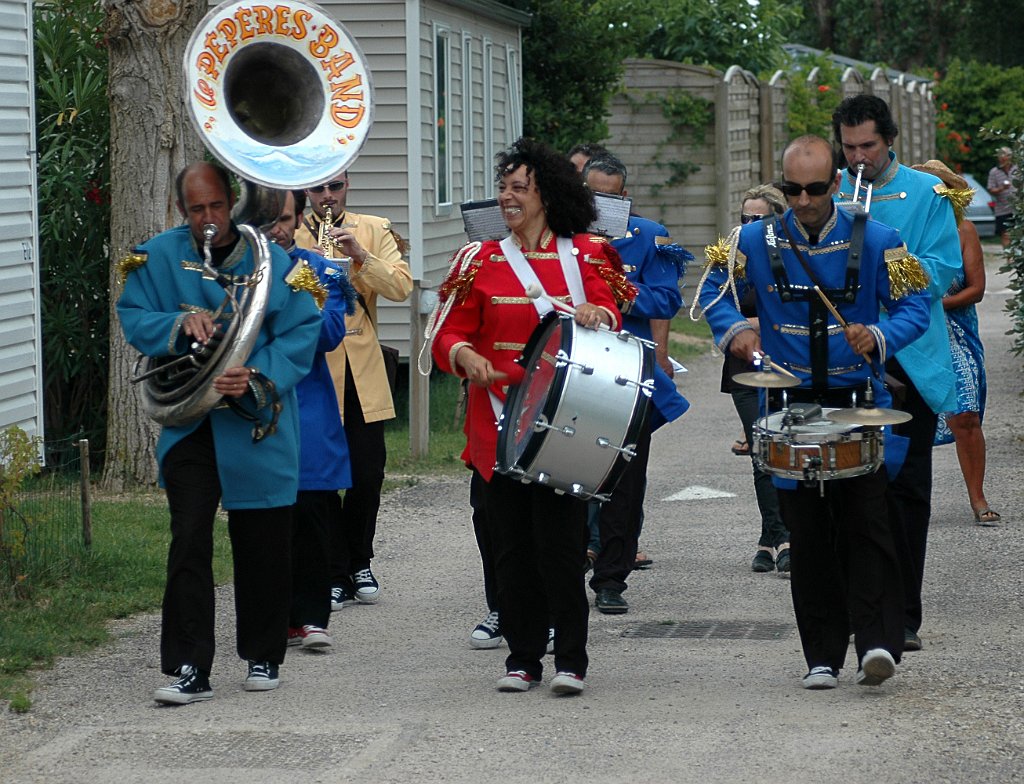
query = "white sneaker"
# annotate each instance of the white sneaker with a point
(366, 585)
(567, 683)
(877, 666)
(820, 678)
(487, 633)
(516, 680)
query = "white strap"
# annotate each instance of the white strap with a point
(527, 276)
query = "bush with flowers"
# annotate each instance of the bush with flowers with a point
(810, 103)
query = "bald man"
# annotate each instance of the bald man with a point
(845, 573)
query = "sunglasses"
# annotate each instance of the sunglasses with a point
(333, 187)
(794, 189)
(745, 218)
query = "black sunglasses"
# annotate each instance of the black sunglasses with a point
(745, 218)
(333, 187)
(794, 189)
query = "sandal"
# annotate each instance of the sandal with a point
(987, 517)
(642, 561)
(741, 448)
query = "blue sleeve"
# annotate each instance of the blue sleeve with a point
(291, 326)
(656, 280)
(332, 330)
(723, 317)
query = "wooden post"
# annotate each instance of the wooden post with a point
(419, 386)
(83, 456)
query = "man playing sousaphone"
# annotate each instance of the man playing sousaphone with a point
(486, 319)
(845, 573)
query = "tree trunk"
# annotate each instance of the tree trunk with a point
(151, 140)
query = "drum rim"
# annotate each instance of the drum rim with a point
(514, 397)
(641, 418)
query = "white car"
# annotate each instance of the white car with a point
(980, 210)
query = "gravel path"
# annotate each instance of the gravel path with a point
(403, 698)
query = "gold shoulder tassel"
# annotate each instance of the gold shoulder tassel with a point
(129, 263)
(302, 278)
(906, 275)
(958, 197)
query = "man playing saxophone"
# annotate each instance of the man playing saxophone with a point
(360, 377)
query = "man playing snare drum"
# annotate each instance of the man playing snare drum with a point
(845, 573)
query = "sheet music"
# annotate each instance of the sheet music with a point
(612, 215)
(483, 221)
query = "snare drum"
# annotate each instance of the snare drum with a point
(816, 450)
(574, 420)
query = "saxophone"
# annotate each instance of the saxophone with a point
(324, 239)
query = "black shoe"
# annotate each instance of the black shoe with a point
(911, 642)
(192, 685)
(782, 560)
(763, 562)
(610, 602)
(263, 676)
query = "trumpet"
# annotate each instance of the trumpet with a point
(855, 205)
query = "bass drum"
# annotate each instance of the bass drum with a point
(573, 422)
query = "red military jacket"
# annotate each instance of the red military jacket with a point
(492, 314)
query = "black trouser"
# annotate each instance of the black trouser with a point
(311, 570)
(773, 530)
(353, 532)
(620, 520)
(261, 552)
(541, 546)
(910, 495)
(845, 573)
(486, 539)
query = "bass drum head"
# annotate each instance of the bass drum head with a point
(532, 399)
(641, 416)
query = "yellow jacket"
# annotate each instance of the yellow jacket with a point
(384, 273)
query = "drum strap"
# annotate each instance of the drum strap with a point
(527, 276)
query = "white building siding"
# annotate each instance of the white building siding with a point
(21, 383)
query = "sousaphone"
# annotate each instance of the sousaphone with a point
(282, 96)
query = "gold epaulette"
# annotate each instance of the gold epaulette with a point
(958, 197)
(129, 263)
(301, 277)
(718, 255)
(461, 273)
(906, 275)
(659, 240)
(622, 289)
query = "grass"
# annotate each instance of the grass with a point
(68, 612)
(688, 338)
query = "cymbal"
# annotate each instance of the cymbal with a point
(765, 378)
(869, 416)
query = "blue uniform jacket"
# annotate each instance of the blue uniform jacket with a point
(906, 199)
(655, 272)
(167, 287)
(324, 462)
(785, 336)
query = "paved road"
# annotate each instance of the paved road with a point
(403, 699)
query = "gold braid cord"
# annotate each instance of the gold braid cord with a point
(724, 253)
(302, 278)
(958, 197)
(906, 275)
(129, 263)
(459, 280)
(622, 289)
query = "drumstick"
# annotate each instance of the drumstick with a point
(842, 322)
(775, 366)
(536, 291)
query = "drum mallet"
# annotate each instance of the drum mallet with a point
(536, 291)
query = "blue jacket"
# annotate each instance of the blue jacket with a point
(156, 298)
(323, 449)
(785, 335)
(654, 266)
(906, 200)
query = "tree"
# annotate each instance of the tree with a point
(722, 33)
(72, 135)
(571, 64)
(151, 139)
(916, 34)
